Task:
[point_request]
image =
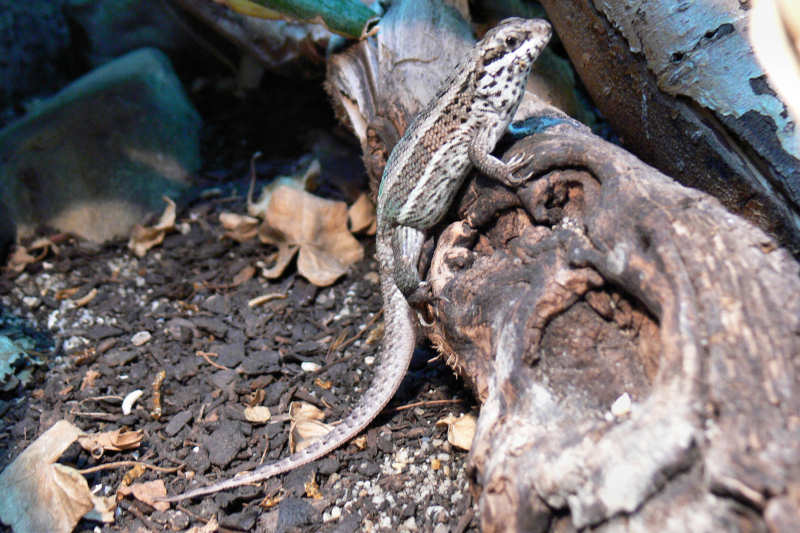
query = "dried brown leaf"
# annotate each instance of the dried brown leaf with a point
(63, 294)
(212, 526)
(460, 430)
(318, 227)
(135, 472)
(244, 275)
(88, 297)
(103, 510)
(306, 426)
(19, 259)
(22, 257)
(147, 492)
(45, 244)
(305, 411)
(312, 489)
(304, 433)
(145, 237)
(286, 253)
(89, 378)
(240, 228)
(40, 495)
(362, 216)
(115, 441)
(301, 182)
(360, 442)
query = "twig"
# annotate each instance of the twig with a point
(98, 415)
(118, 464)
(138, 514)
(427, 403)
(357, 335)
(206, 356)
(101, 399)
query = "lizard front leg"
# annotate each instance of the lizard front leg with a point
(479, 152)
(407, 246)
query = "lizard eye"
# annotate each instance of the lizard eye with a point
(512, 41)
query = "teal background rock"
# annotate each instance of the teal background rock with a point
(115, 27)
(34, 41)
(99, 155)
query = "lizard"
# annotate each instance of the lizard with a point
(455, 132)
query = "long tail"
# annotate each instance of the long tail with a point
(399, 339)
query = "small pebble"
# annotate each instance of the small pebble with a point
(310, 366)
(140, 338)
(130, 400)
(621, 406)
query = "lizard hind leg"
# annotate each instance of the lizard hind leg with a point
(407, 246)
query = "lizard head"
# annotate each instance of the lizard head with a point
(507, 52)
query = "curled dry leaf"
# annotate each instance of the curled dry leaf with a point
(360, 442)
(283, 257)
(45, 245)
(264, 298)
(40, 495)
(212, 526)
(312, 489)
(304, 432)
(21, 256)
(244, 275)
(135, 472)
(114, 441)
(305, 411)
(300, 182)
(315, 225)
(362, 216)
(147, 492)
(89, 378)
(63, 294)
(306, 426)
(88, 297)
(145, 237)
(19, 259)
(460, 430)
(238, 227)
(103, 510)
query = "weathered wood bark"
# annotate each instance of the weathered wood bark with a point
(601, 277)
(290, 47)
(680, 84)
(378, 85)
(605, 277)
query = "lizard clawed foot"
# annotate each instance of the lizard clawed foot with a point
(420, 296)
(516, 162)
(423, 301)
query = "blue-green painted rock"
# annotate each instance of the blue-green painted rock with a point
(99, 155)
(34, 42)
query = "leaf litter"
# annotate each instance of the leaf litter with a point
(290, 326)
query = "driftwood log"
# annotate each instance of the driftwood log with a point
(682, 87)
(603, 277)
(600, 277)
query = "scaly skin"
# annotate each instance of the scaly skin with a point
(456, 131)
